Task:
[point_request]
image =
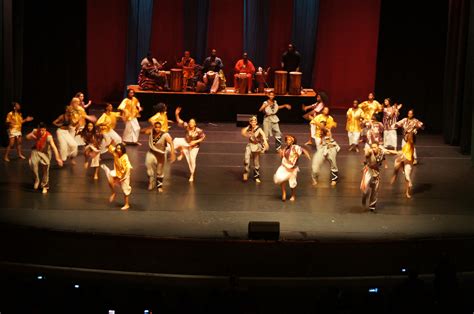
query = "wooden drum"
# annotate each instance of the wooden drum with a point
(242, 78)
(295, 83)
(176, 80)
(280, 82)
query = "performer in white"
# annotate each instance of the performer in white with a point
(130, 108)
(107, 123)
(189, 145)
(66, 142)
(326, 151)
(354, 125)
(270, 121)
(257, 145)
(289, 166)
(390, 117)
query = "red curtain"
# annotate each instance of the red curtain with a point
(279, 32)
(106, 47)
(167, 35)
(346, 49)
(225, 33)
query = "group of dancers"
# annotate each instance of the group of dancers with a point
(77, 128)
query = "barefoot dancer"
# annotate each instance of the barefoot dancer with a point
(155, 157)
(322, 122)
(107, 123)
(404, 161)
(130, 108)
(93, 139)
(67, 144)
(314, 110)
(270, 122)
(410, 125)
(189, 145)
(289, 166)
(14, 122)
(353, 125)
(327, 151)
(121, 173)
(257, 144)
(41, 155)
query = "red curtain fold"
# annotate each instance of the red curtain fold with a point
(167, 34)
(225, 33)
(346, 49)
(106, 47)
(279, 32)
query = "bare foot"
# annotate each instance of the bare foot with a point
(6, 159)
(245, 177)
(125, 207)
(191, 178)
(315, 182)
(333, 183)
(45, 190)
(408, 193)
(111, 197)
(21, 157)
(160, 190)
(257, 180)
(36, 185)
(292, 198)
(96, 177)
(283, 196)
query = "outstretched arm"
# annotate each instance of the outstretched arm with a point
(178, 119)
(306, 153)
(287, 106)
(31, 136)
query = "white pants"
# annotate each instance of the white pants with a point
(92, 153)
(318, 160)
(78, 137)
(108, 138)
(353, 138)
(155, 163)
(312, 128)
(390, 138)
(124, 183)
(415, 155)
(132, 131)
(284, 174)
(189, 153)
(67, 144)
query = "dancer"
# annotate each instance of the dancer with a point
(130, 108)
(270, 122)
(14, 122)
(257, 144)
(189, 145)
(374, 131)
(353, 125)
(67, 144)
(288, 169)
(82, 103)
(78, 117)
(41, 155)
(327, 151)
(93, 139)
(410, 125)
(369, 185)
(121, 173)
(314, 110)
(107, 123)
(322, 121)
(155, 157)
(404, 161)
(160, 116)
(370, 107)
(390, 117)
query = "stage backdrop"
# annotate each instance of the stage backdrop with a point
(337, 39)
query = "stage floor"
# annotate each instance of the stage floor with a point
(219, 205)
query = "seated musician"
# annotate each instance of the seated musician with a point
(246, 66)
(187, 64)
(213, 74)
(152, 76)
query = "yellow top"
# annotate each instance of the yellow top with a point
(162, 118)
(408, 151)
(14, 120)
(130, 108)
(330, 123)
(122, 165)
(353, 120)
(108, 121)
(369, 108)
(77, 115)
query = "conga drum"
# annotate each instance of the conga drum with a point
(280, 82)
(260, 79)
(176, 80)
(242, 78)
(295, 83)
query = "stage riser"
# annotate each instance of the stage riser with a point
(222, 108)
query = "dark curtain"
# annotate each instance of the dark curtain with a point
(305, 21)
(457, 104)
(138, 37)
(196, 13)
(256, 17)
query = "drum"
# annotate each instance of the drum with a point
(176, 80)
(242, 78)
(211, 76)
(260, 78)
(295, 83)
(280, 82)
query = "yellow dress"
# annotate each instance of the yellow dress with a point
(369, 108)
(108, 121)
(162, 118)
(14, 121)
(330, 123)
(130, 108)
(353, 120)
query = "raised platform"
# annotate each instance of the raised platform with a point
(222, 106)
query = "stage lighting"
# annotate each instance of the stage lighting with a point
(76, 286)
(373, 290)
(40, 277)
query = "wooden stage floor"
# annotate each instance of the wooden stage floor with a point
(219, 205)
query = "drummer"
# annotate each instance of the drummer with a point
(187, 64)
(245, 66)
(212, 66)
(291, 59)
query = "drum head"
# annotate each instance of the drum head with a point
(295, 73)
